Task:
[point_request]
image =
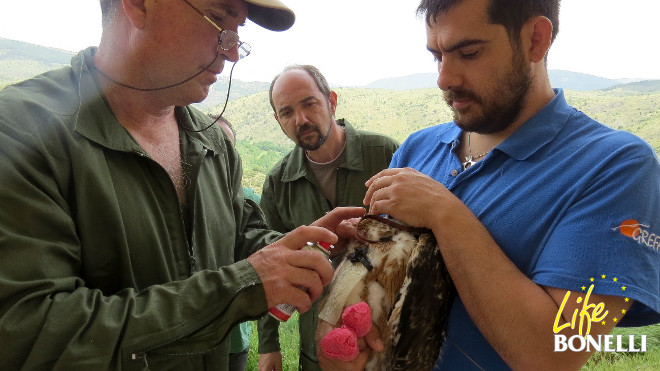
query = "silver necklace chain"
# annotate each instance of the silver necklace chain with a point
(469, 159)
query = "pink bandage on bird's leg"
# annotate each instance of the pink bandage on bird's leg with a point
(358, 318)
(341, 343)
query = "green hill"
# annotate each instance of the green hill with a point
(398, 113)
(638, 113)
(392, 112)
(20, 60)
(647, 86)
(634, 107)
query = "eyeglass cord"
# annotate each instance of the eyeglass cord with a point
(159, 88)
(231, 72)
(177, 84)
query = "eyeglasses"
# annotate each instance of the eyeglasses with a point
(226, 39)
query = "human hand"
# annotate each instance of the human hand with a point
(334, 220)
(270, 361)
(409, 196)
(284, 270)
(367, 344)
(342, 221)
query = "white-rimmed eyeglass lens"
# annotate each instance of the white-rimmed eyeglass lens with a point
(244, 50)
(228, 39)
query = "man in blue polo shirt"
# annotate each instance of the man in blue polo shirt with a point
(531, 201)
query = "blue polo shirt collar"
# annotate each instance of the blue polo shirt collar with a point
(537, 132)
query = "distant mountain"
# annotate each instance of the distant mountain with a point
(239, 89)
(558, 78)
(647, 86)
(410, 82)
(20, 49)
(579, 81)
(20, 60)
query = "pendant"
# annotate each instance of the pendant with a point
(468, 162)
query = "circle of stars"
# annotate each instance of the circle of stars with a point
(623, 288)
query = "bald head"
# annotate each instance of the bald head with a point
(313, 72)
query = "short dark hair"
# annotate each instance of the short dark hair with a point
(314, 72)
(512, 14)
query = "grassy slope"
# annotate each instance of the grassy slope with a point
(650, 360)
(289, 344)
(630, 361)
(399, 113)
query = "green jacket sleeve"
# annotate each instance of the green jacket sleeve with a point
(267, 326)
(269, 337)
(268, 205)
(254, 233)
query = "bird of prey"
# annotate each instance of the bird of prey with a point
(398, 270)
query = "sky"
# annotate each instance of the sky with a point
(355, 42)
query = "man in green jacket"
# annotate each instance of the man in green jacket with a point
(328, 168)
(125, 239)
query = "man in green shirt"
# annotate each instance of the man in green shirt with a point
(328, 168)
(125, 239)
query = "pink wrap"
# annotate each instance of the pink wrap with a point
(341, 343)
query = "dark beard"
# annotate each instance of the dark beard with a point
(503, 107)
(317, 144)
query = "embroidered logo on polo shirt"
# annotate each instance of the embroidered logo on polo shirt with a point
(639, 232)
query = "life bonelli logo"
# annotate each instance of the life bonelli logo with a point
(588, 314)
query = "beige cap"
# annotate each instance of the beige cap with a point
(270, 14)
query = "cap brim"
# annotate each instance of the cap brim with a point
(270, 14)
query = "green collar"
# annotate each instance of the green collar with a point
(98, 123)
